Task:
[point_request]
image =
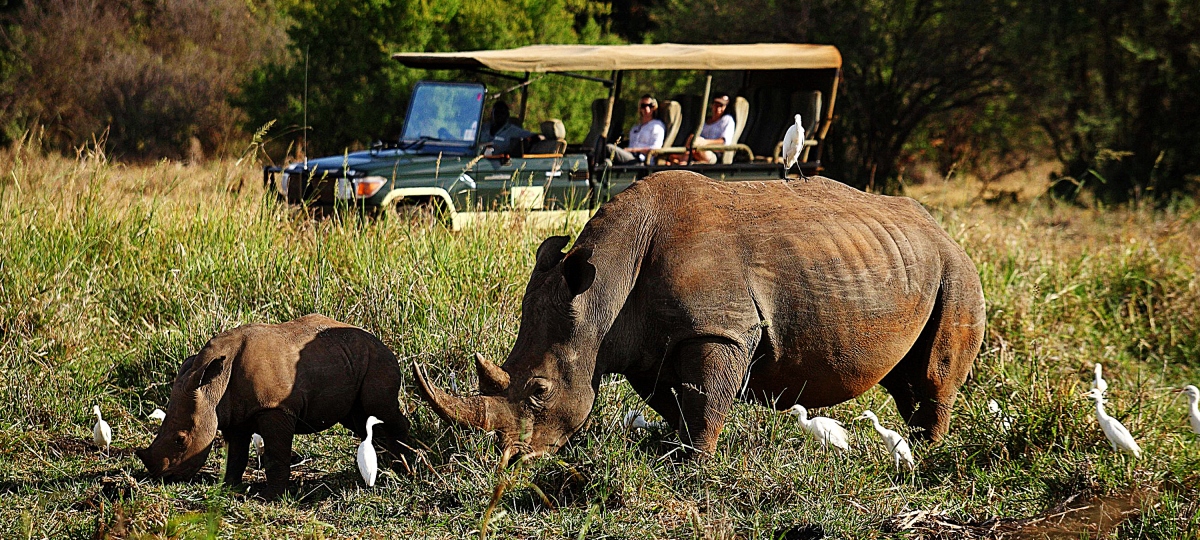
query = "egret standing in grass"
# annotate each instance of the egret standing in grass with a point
(894, 442)
(1098, 381)
(793, 144)
(1005, 419)
(1193, 395)
(826, 430)
(1118, 436)
(259, 447)
(367, 465)
(158, 414)
(101, 432)
(634, 420)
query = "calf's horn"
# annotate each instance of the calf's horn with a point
(492, 378)
(471, 411)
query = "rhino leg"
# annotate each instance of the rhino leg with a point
(925, 383)
(237, 448)
(710, 370)
(659, 394)
(277, 429)
(384, 406)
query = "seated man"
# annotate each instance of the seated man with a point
(644, 136)
(718, 129)
(505, 136)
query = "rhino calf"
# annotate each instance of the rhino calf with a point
(276, 380)
(801, 292)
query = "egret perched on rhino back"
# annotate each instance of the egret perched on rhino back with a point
(793, 144)
(702, 292)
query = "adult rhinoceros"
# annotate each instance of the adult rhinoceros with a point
(700, 292)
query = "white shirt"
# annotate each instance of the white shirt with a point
(721, 129)
(648, 135)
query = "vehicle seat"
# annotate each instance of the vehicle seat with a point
(670, 115)
(554, 140)
(689, 107)
(599, 109)
(741, 112)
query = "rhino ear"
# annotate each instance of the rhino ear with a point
(579, 271)
(550, 252)
(212, 370)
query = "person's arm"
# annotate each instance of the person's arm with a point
(727, 128)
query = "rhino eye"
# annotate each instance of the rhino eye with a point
(539, 390)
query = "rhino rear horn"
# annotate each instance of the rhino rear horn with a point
(492, 378)
(472, 411)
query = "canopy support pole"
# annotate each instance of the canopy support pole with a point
(524, 98)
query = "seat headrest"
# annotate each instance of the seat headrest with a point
(554, 129)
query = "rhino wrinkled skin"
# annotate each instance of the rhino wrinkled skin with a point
(276, 380)
(701, 292)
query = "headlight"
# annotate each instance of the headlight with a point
(359, 188)
(282, 184)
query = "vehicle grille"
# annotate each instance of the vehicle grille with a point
(305, 188)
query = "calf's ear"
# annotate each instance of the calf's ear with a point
(212, 370)
(550, 252)
(579, 271)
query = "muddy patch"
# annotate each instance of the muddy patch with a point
(1075, 517)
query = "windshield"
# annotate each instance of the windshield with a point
(447, 112)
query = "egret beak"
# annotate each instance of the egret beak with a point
(1178, 391)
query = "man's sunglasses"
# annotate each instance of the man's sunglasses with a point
(647, 105)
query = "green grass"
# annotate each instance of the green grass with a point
(110, 276)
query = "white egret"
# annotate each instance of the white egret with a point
(1193, 395)
(367, 465)
(635, 420)
(158, 414)
(793, 144)
(826, 430)
(1098, 381)
(259, 446)
(1118, 436)
(1005, 419)
(101, 433)
(894, 442)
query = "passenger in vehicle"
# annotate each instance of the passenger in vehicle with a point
(505, 136)
(644, 136)
(718, 129)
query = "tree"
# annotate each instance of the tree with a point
(355, 91)
(904, 62)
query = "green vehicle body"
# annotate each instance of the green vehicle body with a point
(441, 166)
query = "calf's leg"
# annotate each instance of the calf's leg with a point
(237, 447)
(277, 429)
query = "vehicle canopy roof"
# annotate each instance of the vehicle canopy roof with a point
(560, 58)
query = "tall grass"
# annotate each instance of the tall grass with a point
(110, 276)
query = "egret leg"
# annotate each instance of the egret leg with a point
(277, 429)
(237, 448)
(710, 371)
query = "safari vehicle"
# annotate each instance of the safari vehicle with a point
(441, 165)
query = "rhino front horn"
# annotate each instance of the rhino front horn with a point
(471, 411)
(492, 378)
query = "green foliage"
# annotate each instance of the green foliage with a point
(356, 93)
(108, 282)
